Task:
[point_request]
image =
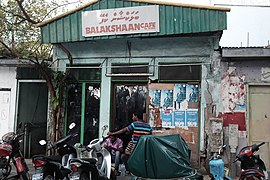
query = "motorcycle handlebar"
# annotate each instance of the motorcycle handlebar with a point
(261, 144)
(19, 135)
(255, 147)
(96, 143)
(75, 134)
(63, 140)
(236, 159)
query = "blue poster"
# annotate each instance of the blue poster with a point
(167, 99)
(155, 97)
(192, 92)
(192, 118)
(166, 117)
(179, 95)
(180, 118)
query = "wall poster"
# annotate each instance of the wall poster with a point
(171, 105)
(180, 102)
(167, 118)
(192, 118)
(167, 99)
(179, 118)
(155, 96)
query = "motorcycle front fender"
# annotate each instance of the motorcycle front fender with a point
(107, 164)
(19, 164)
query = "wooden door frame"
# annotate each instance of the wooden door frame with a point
(248, 101)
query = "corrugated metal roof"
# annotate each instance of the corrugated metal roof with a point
(145, 1)
(175, 18)
(250, 47)
(246, 52)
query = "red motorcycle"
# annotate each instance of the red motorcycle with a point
(252, 166)
(10, 151)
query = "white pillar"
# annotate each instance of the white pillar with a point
(105, 98)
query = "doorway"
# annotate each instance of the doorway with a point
(128, 98)
(32, 113)
(259, 119)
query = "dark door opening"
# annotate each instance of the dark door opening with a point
(32, 113)
(128, 98)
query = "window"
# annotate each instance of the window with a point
(130, 69)
(187, 72)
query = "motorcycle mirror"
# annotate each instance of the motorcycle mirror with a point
(19, 125)
(42, 142)
(72, 125)
(104, 129)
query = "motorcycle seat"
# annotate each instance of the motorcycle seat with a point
(48, 158)
(90, 160)
(252, 172)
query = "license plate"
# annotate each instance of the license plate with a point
(75, 177)
(37, 176)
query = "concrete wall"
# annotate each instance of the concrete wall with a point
(236, 75)
(8, 81)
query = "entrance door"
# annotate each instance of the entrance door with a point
(128, 98)
(32, 113)
(259, 119)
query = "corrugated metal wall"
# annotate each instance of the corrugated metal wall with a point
(173, 20)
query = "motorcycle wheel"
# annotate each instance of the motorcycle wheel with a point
(5, 172)
(48, 177)
(25, 176)
(113, 176)
(84, 176)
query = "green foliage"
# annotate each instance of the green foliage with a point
(18, 36)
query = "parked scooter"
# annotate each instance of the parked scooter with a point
(95, 164)
(217, 168)
(55, 167)
(252, 166)
(10, 151)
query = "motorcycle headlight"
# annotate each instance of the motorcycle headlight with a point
(8, 137)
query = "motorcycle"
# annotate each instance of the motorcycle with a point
(10, 151)
(217, 168)
(252, 166)
(93, 162)
(55, 167)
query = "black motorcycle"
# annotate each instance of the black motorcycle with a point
(252, 166)
(55, 167)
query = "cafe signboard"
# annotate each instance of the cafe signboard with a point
(130, 20)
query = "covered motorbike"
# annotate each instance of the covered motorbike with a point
(162, 157)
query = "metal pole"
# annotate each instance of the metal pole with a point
(25, 141)
(233, 165)
(82, 112)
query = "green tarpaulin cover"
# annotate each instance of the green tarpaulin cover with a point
(161, 157)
